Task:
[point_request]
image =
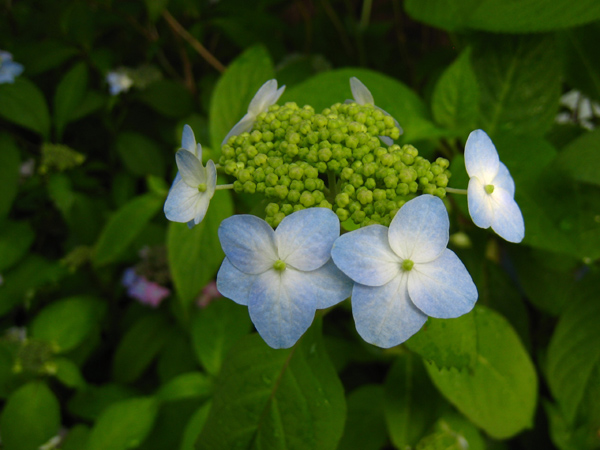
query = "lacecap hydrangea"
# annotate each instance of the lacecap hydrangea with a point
(319, 173)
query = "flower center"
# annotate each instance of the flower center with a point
(202, 187)
(279, 265)
(407, 265)
(489, 188)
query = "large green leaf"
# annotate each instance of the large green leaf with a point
(455, 102)
(278, 399)
(23, 103)
(139, 347)
(9, 173)
(124, 226)
(141, 155)
(215, 330)
(520, 81)
(187, 385)
(15, 240)
(453, 432)
(31, 416)
(523, 16)
(168, 98)
(69, 94)
(447, 342)
(194, 427)
(195, 255)
(123, 425)
(234, 90)
(574, 349)
(580, 160)
(365, 425)
(327, 88)
(66, 323)
(582, 60)
(499, 394)
(410, 400)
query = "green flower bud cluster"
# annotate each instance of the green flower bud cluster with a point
(299, 159)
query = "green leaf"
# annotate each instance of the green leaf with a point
(195, 255)
(455, 102)
(123, 425)
(215, 330)
(500, 16)
(234, 90)
(24, 104)
(124, 226)
(89, 403)
(453, 432)
(365, 426)
(41, 56)
(499, 394)
(139, 347)
(580, 160)
(582, 61)
(327, 88)
(67, 372)
(574, 349)
(167, 98)
(77, 438)
(9, 173)
(520, 83)
(66, 323)
(447, 342)
(194, 427)
(155, 8)
(187, 385)
(280, 399)
(31, 416)
(15, 240)
(410, 400)
(140, 155)
(69, 94)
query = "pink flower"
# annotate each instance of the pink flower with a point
(147, 292)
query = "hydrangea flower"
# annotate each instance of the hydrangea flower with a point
(404, 273)
(491, 189)
(9, 69)
(283, 276)
(118, 81)
(194, 184)
(267, 95)
(363, 96)
(146, 291)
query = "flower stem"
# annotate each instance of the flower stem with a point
(456, 191)
(223, 186)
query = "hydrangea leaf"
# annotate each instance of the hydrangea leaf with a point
(453, 432)
(24, 104)
(235, 89)
(411, 402)
(168, 98)
(500, 393)
(9, 173)
(195, 255)
(15, 240)
(447, 342)
(581, 159)
(140, 155)
(281, 399)
(365, 425)
(69, 95)
(582, 61)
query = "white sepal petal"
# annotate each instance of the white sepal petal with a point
(365, 256)
(442, 288)
(508, 221)
(384, 315)
(264, 97)
(243, 126)
(233, 283)
(181, 201)
(504, 181)
(248, 243)
(304, 239)
(282, 306)
(361, 94)
(188, 141)
(331, 286)
(480, 204)
(190, 168)
(420, 230)
(481, 157)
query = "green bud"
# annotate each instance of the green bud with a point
(391, 181)
(322, 167)
(306, 199)
(277, 219)
(402, 189)
(325, 204)
(342, 200)
(429, 189)
(249, 187)
(342, 214)
(365, 196)
(443, 163)
(281, 191)
(441, 180)
(408, 175)
(358, 216)
(413, 187)
(238, 186)
(440, 192)
(379, 194)
(271, 180)
(346, 173)
(370, 183)
(272, 209)
(293, 196)
(334, 166)
(311, 184)
(356, 180)
(260, 187)
(287, 209)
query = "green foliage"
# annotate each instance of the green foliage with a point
(365, 424)
(30, 417)
(582, 63)
(499, 394)
(276, 398)
(15, 240)
(24, 104)
(69, 95)
(9, 173)
(140, 155)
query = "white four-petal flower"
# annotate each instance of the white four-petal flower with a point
(9, 69)
(491, 189)
(194, 184)
(404, 274)
(267, 95)
(283, 276)
(363, 96)
(118, 81)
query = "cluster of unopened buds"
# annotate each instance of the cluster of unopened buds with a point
(339, 170)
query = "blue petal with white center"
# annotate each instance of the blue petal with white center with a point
(233, 283)
(9, 69)
(491, 189)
